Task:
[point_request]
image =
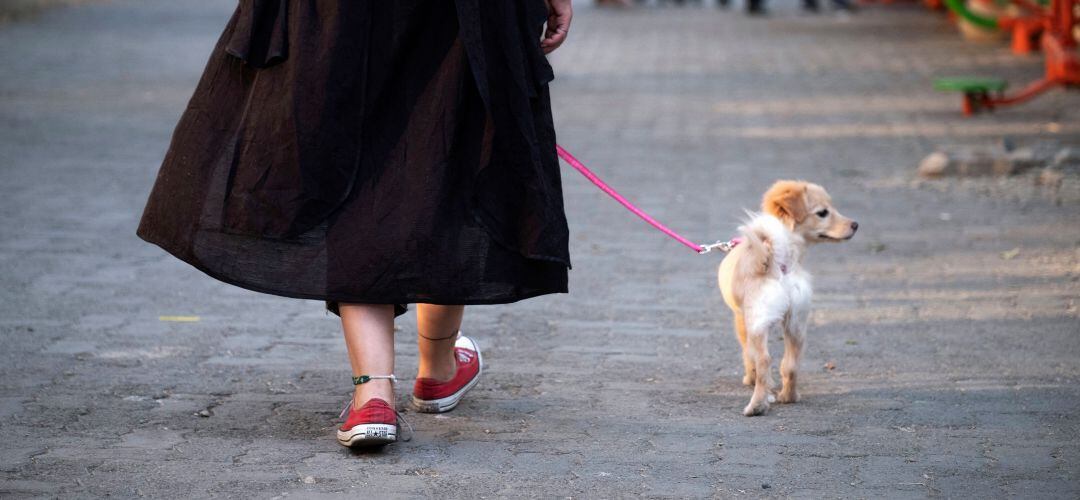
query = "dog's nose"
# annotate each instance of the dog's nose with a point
(854, 226)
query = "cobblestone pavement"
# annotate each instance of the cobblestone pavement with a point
(955, 357)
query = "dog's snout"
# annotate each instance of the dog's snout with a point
(854, 226)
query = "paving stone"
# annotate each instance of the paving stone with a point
(955, 367)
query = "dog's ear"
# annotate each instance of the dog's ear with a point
(786, 200)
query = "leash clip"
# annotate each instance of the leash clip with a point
(723, 246)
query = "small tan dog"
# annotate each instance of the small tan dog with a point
(765, 285)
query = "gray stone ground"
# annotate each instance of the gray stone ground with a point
(955, 356)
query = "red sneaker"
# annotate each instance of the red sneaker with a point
(374, 424)
(433, 396)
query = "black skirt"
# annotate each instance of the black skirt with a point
(370, 151)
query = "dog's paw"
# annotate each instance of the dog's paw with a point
(787, 397)
(753, 410)
(748, 380)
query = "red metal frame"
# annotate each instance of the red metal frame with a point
(1025, 30)
(1062, 63)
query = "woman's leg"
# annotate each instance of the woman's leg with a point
(437, 326)
(369, 337)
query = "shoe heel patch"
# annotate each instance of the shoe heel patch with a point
(380, 432)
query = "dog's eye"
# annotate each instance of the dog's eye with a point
(823, 213)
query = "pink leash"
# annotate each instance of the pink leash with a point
(724, 246)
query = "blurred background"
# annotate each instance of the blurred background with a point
(942, 356)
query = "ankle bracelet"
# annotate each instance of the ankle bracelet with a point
(454, 336)
(363, 379)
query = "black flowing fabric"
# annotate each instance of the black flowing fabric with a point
(370, 151)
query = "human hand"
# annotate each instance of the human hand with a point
(558, 24)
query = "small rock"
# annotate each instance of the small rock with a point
(765, 486)
(936, 164)
(876, 247)
(309, 480)
(205, 413)
(1011, 254)
(830, 365)
(945, 216)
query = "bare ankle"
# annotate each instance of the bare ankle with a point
(441, 370)
(381, 389)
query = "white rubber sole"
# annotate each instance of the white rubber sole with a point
(368, 435)
(450, 402)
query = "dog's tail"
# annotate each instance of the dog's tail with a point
(757, 258)
(759, 235)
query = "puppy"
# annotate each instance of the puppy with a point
(765, 285)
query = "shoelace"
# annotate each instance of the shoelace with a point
(363, 379)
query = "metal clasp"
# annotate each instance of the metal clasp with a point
(723, 246)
